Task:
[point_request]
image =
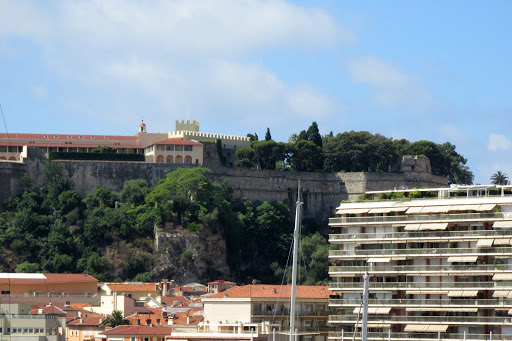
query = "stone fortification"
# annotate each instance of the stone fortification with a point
(322, 192)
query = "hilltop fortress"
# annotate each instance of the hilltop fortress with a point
(23, 154)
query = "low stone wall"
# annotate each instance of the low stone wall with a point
(11, 176)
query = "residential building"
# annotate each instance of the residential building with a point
(269, 305)
(439, 261)
(85, 328)
(47, 284)
(219, 286)
(17, 324)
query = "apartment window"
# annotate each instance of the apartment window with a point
(92, 137)
(46, 136)
(80, 137)
(6, 292)
(188, 148)
(106, 137)
(25, 330)
(170, 148)
(132, 339)
(55, 136)
(146, 339)
(69, 137)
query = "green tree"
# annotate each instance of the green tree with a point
(313, 135)
(268, 137)
(307, 157)
(115, 319)
(27, 267)
(499, 178)
(104, 149)
(134, 192)
(245, 157)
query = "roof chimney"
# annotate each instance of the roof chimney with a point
(170, 321)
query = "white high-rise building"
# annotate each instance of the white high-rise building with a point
(440, 262)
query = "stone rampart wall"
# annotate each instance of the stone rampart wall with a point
(322, 192)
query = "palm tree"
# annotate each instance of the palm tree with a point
(499, 178)
(115, 319)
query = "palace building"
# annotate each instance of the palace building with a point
(439, 261)
(180, 146)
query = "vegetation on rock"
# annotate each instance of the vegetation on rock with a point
(112, 236)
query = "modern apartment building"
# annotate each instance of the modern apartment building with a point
(439, 261)
(17, 324)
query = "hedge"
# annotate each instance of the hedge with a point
(95, 156)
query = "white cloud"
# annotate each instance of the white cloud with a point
(498, 142)
(177, 53)
(392, 86)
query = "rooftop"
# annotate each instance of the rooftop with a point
(274, 291)
(133, 286)
(37, 278)
(139, 330)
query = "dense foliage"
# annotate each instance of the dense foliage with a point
(111, 236)
(350, 151)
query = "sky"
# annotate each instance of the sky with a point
(420, 70)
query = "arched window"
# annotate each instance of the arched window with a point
(179, 159)
(188, 159)
(160, 159)
(169, 159)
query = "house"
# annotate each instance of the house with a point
(85, 328)
(439, 261)
(219, 286)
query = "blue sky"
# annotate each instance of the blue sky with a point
(436, 70)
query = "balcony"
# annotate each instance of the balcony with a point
(433, 303)
(424, 252)
(415, 218)
(338, 335)
(286, 312)
(374, 286)
(430, 236)
(438, 270)
(452, 320)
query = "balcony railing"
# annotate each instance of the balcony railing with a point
(409, 236)
(286, 312)
(423, 252)
(411, 218)
(395, 319)
(471, 303)
(422, 285)
(448, 268)
(419, 336)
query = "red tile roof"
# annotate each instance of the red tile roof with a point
(220, 281)
(133, 287)
(275, 291)
(50, 278)
(48, 310)
(49, 137)
(87, 321)
(179, 141)
(169, 300)
(139, 330)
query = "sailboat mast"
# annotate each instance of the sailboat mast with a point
(294, 262)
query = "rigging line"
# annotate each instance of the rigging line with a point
(5, 125)
(282, 281)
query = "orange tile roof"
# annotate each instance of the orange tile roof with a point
(169, 300)
(87, 321)
(50, 137)
(51, 278)
(275, 291)
(49, 310)
(133, 287)
(220, 281)
(139, 330)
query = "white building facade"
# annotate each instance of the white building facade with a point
(440, 262)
